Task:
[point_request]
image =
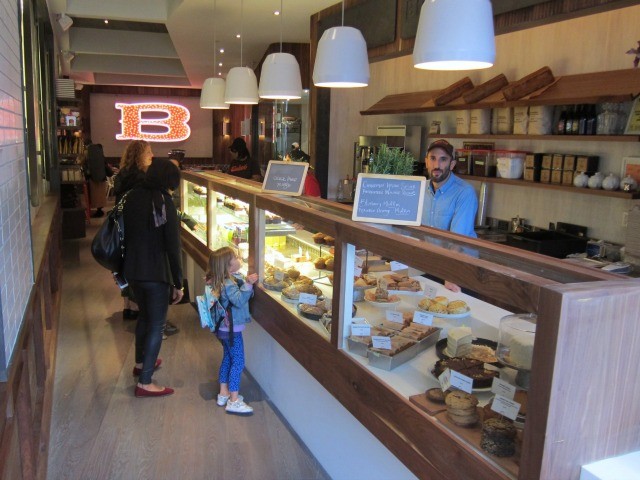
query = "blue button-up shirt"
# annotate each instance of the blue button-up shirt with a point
(451, 207)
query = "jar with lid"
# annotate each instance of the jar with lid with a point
(516, 340)
(628, 184)
(595, 181)
(581, 180)
(611, 182)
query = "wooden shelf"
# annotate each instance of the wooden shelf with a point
(553, 186)
(564, 138)
(70, 127)
(591, 88)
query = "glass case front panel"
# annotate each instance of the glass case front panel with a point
(298, 271)
(408, 330)
(230, 224)
(194, 198)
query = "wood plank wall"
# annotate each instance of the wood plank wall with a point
(26, 397)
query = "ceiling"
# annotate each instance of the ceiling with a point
(170, 43)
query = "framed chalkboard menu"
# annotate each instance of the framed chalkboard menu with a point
(286, 178)
(394, 199)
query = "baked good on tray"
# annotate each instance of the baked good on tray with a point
(461, 408)
(318, 238)
(498, 437)
(436, 395)
(469, 367)
(402, 282)
(417, 332)
(375, 332)
(457, 306)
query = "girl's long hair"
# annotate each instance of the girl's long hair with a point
(132, 155)
(218, 268)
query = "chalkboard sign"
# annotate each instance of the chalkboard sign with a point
(395, 199)
(286, 178)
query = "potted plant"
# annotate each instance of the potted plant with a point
(392, 161)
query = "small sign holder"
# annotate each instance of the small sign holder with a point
(285, 178)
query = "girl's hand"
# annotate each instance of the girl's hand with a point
(252, 278)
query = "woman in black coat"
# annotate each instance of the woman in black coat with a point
(152, 265)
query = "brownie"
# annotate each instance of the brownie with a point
(469, 367)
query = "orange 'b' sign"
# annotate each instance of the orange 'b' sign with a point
(170, 127)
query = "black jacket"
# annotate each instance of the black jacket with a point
(125, 180)
(151, 253)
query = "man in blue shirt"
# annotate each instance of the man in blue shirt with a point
(450, 202)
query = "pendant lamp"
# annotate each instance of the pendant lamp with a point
(455, 35)
(280, 76)
(242, 84)
(212, 94)
(341, 58)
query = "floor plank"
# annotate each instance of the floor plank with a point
(99, 430)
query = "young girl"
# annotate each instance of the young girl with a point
(234, 293)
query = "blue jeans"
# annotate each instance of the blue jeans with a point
(153, 301)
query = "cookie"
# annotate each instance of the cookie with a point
(498, 428)
(463, 420)
(436, 395)
(460, 399)
(499, 448)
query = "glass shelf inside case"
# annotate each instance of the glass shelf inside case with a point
(195, 207)
(298, 272)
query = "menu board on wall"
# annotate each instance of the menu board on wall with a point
(393, 199)
(286, 178)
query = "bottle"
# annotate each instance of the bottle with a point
(371, 160)
(592, 121)
(575, 125)
(365, 163)
(561, 121)
(339, 191)
(568, 126)
(582, 122)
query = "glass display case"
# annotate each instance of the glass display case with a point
(387, 283)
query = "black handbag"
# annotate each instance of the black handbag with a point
(108, 244)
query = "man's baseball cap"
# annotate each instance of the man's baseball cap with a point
(442, 145)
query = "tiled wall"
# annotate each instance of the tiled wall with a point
(16, 265)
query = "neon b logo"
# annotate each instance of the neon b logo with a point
(170, 127)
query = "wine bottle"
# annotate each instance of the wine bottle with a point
(562, 121)
(568, 126)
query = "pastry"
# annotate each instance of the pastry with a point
(398, 344)
(436, 395)
(292, 273)
(425, 303)
(320, 263)
(292, 293)
(302, 279)
(318, 238)
(437, 308)
(483, 353)
(329, 264)
(498, 437)
(441, 300)
(360, 283)
(469, 367)
(457, 306)
(417, 332)
(328, 240)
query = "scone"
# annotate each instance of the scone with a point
(441, 300)
(425, 303)
(437, 308)
(457, 306)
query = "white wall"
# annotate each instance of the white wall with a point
(588, 44)
(16, 265)
(105, 125)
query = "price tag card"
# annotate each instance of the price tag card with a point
(461, 382)
(505, 406)
(308, 298)
(278, 275)
(359, 262)
(445, 380)
(430, 291)
(394, 316)
(502, 388)
(381, 342)
(357, 271)
(278, 262)
(423, 318)
(395, 266)
(360, 329)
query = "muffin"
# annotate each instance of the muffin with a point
(329, 264)
(318, 238)
(320, 263)
(328, 240)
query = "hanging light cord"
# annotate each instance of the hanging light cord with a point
(343, 13)
(281, 26)
(241, 32)
(215, 63)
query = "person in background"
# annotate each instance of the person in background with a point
(450, 202)
(188, 220)
(234, 293)
(242, 165)
(97, 170)
(152, 233)
(297, 155)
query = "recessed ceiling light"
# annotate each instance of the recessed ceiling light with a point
(222, 50)
(220, 64)
(238, 35)
(219, 74)
(106, 21)
(277, 12)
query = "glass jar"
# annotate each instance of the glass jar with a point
(595, 181)
(628, 184)
(580, 180)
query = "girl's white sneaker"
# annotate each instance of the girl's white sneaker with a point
(238, 408)
(223, 399)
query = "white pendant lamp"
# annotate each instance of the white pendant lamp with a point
(280, 75)
(455, 35)
(341, 58)
(242, 84)
(212, 94)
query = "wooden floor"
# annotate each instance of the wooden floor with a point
(99, 430)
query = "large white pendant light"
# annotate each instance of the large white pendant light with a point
(455, 35)
(242, 84)
(341, 58)
(212, 94)
(280, 75)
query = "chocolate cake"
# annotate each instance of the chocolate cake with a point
(469, 367)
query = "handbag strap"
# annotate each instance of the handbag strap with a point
(119, 220)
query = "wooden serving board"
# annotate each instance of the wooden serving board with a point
(426, 405)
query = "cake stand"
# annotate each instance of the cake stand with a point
(515, 345)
